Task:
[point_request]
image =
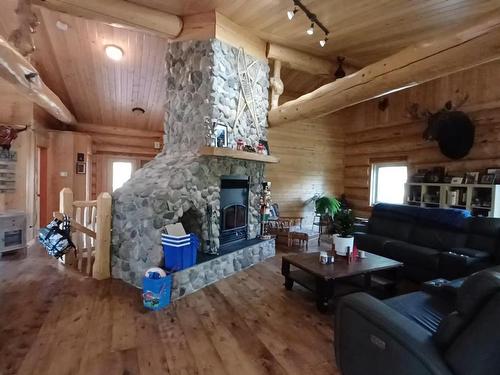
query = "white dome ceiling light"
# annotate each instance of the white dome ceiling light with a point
(114, 52)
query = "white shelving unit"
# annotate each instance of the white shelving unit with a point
(7, 171)
(480, 199)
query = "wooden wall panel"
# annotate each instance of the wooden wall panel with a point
(391, 134)
(311, 161)
(61, 163)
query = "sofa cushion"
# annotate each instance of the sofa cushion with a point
(437, 238)
(425, 309)
(413, 254)
(397, 229)
(371, 242)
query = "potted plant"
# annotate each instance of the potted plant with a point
(327, 206)
(344, 226)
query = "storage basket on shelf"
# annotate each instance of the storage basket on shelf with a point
(156, 289)
(179, 251)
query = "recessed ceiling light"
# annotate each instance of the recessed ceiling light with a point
(138, 111)
(113, 52)
(62, 26)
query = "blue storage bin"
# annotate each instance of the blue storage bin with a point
(156, 292)
(179, 251)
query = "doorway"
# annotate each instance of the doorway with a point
(120, 171)
(43, 213)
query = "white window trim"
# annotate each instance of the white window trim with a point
(374, 173)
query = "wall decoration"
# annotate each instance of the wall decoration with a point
(266, 146)
(220, 133)
(80, 156)
(246, 97)
(8, 134)
(81, 168)
(451, 128)
(488, 179)
(471, 177)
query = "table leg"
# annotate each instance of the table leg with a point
(285, 271)
(324, 292)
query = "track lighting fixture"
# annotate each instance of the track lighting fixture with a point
(310, 30)
(312, 18)
(291, 13)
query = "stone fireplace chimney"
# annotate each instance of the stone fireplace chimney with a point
(180, 185)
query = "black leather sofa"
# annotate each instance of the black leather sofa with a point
(432, 242)
(449, 331)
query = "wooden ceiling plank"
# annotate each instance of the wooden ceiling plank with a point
(452, 52)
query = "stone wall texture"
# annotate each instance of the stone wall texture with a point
(202, 86)
(192, 279)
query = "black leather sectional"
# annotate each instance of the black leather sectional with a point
(432, 242)
(446, 329)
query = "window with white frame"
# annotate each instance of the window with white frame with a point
(388, 182)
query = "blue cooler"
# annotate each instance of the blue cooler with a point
(179, 251)
(156, 291)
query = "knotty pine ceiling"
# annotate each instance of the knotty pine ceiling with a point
(100, 91)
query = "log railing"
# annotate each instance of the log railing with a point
(91, 232)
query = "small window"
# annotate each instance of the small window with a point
(388, 182)
(122, 171)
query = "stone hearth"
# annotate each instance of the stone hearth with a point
(179, 184)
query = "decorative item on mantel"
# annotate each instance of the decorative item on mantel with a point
(265, 206)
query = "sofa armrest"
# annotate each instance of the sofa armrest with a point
(461, 262)
(372, 338)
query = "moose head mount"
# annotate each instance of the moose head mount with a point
(7, 135)
(451, 128)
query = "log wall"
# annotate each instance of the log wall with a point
(311, 161)
(372, 134)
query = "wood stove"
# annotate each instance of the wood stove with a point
(233, 209)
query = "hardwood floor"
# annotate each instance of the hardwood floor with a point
(54, 321)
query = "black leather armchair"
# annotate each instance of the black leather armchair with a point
(453, 331)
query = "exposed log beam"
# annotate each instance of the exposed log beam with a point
(116, 130)
(124, 150)
(119, 13)
(276, 84)
(16, 70)
(304, 62)
(449, 53)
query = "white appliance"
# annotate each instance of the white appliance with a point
(12, 231)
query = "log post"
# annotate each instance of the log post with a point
(276, 84)
(102, 263)
(66, 207)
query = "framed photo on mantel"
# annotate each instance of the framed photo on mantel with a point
(220, 134)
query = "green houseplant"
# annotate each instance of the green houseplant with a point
(327, 206)
(344, 226)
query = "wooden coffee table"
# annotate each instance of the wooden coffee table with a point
(321, 278)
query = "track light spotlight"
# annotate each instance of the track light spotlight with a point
(291, 13)
(310, 31)
(322, 42)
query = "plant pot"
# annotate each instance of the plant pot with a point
(342, 243)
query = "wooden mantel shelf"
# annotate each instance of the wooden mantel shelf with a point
(235, 154)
